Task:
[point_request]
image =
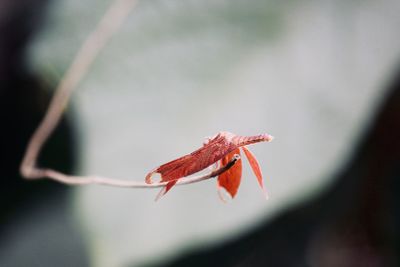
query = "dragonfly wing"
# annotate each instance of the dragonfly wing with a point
(194, 162)
(255, 167)
(230, 179)
(165, 189)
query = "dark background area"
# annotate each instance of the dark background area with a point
(34, 216)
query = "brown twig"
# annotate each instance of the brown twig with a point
(86, 180)
(84, 58)
(107, 26)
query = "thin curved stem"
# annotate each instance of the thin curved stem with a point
(86, 180)
(96, 40)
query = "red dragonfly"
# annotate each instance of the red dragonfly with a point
(218, 150)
